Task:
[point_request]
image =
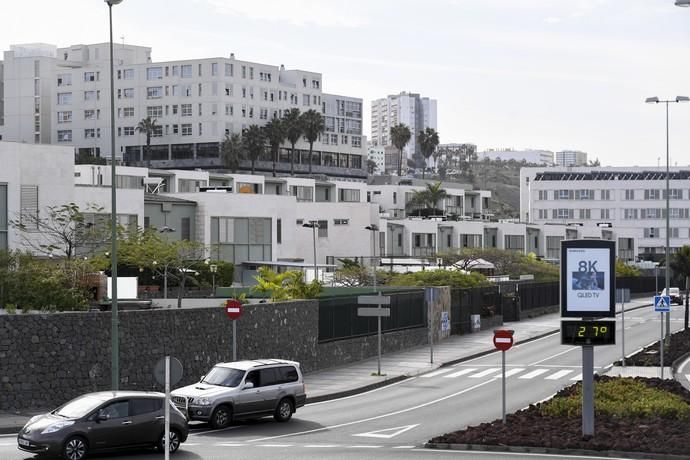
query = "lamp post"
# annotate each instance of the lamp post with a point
(114, 330)
(373, 228)
(313, 224)
(667, 260)
(213, 268)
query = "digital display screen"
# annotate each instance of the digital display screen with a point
(588, 332)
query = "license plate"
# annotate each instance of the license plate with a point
(23, 442)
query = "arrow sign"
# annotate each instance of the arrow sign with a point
(388, 433)
(373, 311)
(662, 303)
(374, 299)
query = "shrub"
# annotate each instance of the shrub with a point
(438, 277)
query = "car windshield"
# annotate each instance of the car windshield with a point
(78, 407)
(224, 376)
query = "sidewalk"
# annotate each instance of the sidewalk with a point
(357, 377)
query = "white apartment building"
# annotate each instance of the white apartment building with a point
(540, 157)
(626, 199)
(410, 109)
(62, 96)
(377, 154)
(571, 158)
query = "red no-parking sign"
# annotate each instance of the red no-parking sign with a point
(233, 308)
(503, 339)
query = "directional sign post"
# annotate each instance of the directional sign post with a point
(233, 308)
(662, 304)
(503, 340)
(378, 312)
(167, 372)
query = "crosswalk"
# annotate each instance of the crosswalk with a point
(495, 372)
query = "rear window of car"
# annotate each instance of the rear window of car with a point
(287, 374)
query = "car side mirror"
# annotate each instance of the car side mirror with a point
(248, 385)
(102, 417)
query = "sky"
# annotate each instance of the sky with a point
(522, 74)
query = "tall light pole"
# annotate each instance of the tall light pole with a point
(313, 224)
(114, 326)
(667, 261)
(373, 228)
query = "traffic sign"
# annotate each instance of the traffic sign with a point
(373, 311)
(662, 303)
(503, 339)
(175, 371)
(374, 299)
(233, 308)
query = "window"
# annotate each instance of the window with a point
(341, 221)
(605, 213)
(64, 135)
(128, 112)
(305, 99)
(606, 195)
(515, 242)
(64, 117)
(651, 232)
(302, 193)
(64, 79)
(674, 232)
(128, 130)
(629, 194)
(185, 228)
(89, 133)
(186, 71)
(652, 194)
(174, 109)
(229, 70)
(154, 111)
(348, 195)
(584, 214)
(187, 129)
(154, 92)
(584, 194)
(187, 90)
(157, 131)
(630, 214)
(116, 410)
(214, 69)
(90, 76)
(186, 110)
(126, 93)
(563, 194)
(356, 141)
(91, 95)
(89, 114)
(563, 213)
(674, 194)
(140, 406)
(128, 74)
(323, 229)
(175, 71)
(28, 203)
(154, 73)
(239, 239)
(64, 98)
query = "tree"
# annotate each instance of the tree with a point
(400, 136)
(285, 286)
(371, 166)
(428, 141)
(313, 125)
(623, 269)
(232, 151)
(147, 126)
(65, 231)
(293, 131)
(351, 274)
(170, 259)
(275, 133)
(254, 140)
(428, 198)
(680, 263)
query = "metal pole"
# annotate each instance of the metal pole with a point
(587, 391)
(623, 324)
(503, 383)
(166, 433)
(165, 281)
(313, 233)
(378, 319)
(114, 326)
(661, 345)
(234, 340)
(430, 309)
(373, 238)
(668, 231)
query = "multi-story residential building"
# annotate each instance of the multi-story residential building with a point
(62, 96)
(377, 154)
(571, 158)
(410, 109)
(623, 198)
(540, 157)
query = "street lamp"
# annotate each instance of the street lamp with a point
(313, 224)
(114, 330)
(683, 3)
(667, 261)
(213, 268)
(373, 228)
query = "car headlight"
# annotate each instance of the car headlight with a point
(202, 401)
(57, 427)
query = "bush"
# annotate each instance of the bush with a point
(621, 398)
(440, 277)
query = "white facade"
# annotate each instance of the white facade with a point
(540, 157)
(571, 158)
(377, 154)
(410, 109)
(62, 96)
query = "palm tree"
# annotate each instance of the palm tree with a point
(148, 127)
(313, 124)
(428, 141)
(275, 133)
(253, 139)
(428, 198)
(232, 151)
(400, 136)
(293, 131)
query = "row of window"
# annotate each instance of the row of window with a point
(65, 79)
(606, 195)
(605, 213)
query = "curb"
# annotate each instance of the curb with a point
(554, 451)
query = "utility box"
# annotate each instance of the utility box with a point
(475, 323)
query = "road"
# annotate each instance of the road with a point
(395, 421)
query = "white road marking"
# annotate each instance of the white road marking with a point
(435, 373)
(215, 431)
(5, 444)
(553, 356)
(404, 447)
(364, 447)
(319, 446)
(558, 375)
(380, 433)
(477, 453)
(274, 445)
(534, 373)
(229, 444)
(577, 377)
(511, 372)
(485, 373)
(459, 373)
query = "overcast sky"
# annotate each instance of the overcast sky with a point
(545, 74)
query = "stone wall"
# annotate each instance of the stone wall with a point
(46, 359)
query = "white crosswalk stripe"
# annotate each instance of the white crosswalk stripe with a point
(459, 373)
(512, 372)
(435, 373)
(534, 373)
(558, 375)
(485, 372)
(577, 377)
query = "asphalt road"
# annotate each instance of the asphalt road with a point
(395, 421)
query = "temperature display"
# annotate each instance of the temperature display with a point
(588, 332)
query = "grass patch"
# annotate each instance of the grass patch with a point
(621, 398)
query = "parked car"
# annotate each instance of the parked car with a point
(243, 390)
(674, 294)
(103, 421)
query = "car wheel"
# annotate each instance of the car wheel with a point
(174, 442)
(75, 448)
(221, 417)
(283, 411)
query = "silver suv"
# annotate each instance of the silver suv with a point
(242, 390)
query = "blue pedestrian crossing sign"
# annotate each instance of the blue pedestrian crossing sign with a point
(662, 303)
